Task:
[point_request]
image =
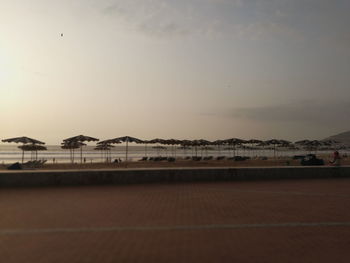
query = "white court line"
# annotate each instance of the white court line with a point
(167, 228)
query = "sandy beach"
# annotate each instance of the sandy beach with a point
(180, 163)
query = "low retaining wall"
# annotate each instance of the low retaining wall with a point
(35, 178)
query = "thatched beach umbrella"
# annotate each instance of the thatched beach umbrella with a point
(204, 144)
(173, 142)
(199, 143)
(145, 142)
(219, 143)
(263, 145)
(108, 143)
(233, 142)
(80, 138)
(24, 140)
(195, 144)
(125, 139)
(185, 145)
(159, 147)
(71, 146)
(330, 143)
(157, 141)
(315, 144)
(302, 143)
(105, 148)
(253, 142)
(274, 142)
(284, 143)
(34, 148)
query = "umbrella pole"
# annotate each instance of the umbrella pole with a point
(81, 154)
(126, 152)
(22, 156)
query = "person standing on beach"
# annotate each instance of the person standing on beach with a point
(336, 159)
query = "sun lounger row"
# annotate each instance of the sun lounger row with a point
(27, 165)
(34, 164)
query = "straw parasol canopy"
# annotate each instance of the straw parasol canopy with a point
(24, 140)
(284, 143)
(32, 147)
(254, 141)
(80, 138)
(159, 147)
(157, 140)
(302, 142)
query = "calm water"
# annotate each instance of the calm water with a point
(9, 153)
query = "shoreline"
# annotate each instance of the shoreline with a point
(270, 162)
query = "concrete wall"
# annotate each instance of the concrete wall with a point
(34, 178)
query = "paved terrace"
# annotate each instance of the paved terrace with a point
(233, 221)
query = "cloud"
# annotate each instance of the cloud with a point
(208, 18)
(152, 17)
(307, 112)
(267, 30)
(321, 23)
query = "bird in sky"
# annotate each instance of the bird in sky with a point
(61, 34)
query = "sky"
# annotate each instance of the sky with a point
(185, 69)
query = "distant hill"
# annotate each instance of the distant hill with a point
(343, 137)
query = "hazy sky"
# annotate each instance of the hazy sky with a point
(174, 69)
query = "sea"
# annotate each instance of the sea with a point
(10, 153)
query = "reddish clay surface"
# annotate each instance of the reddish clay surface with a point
(201, 222)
